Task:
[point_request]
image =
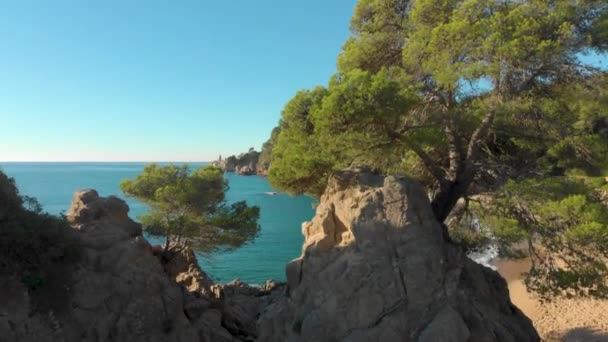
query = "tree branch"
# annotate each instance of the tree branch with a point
(479, 136)
(429, 162)
(454, 148)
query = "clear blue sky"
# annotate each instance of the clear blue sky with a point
(157, 80)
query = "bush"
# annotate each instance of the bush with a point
(30, 240)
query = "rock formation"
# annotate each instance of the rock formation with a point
(374, 267)
(121, 291)
(252, 162)
(181, 265)
(244, 164)
(245, 170)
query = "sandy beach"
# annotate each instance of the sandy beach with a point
(572, 320)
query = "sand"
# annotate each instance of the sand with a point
(564, 319)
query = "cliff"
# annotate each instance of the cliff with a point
(244, 164)
(252, 162)
(374, 267)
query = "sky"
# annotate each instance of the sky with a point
(158, 80)
(151, 80)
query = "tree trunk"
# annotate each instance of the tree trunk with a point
(445, 200)
(465, 170)
(167, 241)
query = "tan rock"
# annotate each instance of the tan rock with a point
(375, 267)
(182, 266)
(119, 290)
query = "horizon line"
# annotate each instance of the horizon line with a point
(106, 161)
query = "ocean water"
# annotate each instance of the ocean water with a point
(281, 215)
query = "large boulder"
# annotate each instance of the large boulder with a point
(102, 221)
(374, 267)
(118, 291)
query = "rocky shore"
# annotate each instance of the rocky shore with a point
(252, 162)
(374, 267)
(245, 164)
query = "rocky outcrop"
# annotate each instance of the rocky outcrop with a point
(181, 265)
(246, 170)
(119, 291)
(374, 267)
(242, 305)
(244, 164)
(252, 162)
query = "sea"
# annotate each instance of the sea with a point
(281, 215)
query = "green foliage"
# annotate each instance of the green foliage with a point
(265, 158)
(470, 239)
(564, 224)
(299, 163)
(250, 158)
(191, 204)
(465, 95)
(378, 28)
(234, 224)
(31, 242)
(393, 113)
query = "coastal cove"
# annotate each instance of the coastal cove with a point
(279, 241)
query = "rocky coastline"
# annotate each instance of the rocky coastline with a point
(245, 164)
(252, 162)
(374, 267)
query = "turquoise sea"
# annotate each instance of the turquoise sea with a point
(279, 241)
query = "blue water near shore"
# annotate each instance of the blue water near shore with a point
(280, 239)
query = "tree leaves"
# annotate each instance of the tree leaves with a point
(403, 101)
(191, 204)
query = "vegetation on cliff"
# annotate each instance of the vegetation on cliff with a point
(244, 163)
(251, 162)
(472, 97)
(191, 204)
(265, 158)
(33, 245)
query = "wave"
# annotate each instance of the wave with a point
(484, 255)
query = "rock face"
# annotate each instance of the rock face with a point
(244, 164)
(119, 291)
(374, 267)
(250, 163)
(183, 267)
(246, 170)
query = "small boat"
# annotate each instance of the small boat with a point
(270, 193)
